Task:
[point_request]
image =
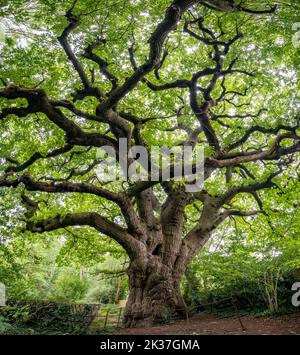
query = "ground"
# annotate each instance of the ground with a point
(213, 325)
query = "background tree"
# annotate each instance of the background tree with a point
(179, 73)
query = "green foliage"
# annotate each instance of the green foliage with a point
(40, 276)
(244, 256)
(191, 289)
(249, 261)
(68, 287)
(46, 318)
(4, 325)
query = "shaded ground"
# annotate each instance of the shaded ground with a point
(212, 325)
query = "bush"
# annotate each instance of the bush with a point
(48, 318)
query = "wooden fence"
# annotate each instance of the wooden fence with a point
(66, 316)
(108, 317)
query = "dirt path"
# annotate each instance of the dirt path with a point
(212, 325)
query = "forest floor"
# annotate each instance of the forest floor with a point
(213, 325)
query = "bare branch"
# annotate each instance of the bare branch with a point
(91, 219)
(103, 64)
(73, 22)
(260, 129)
(36, 156)
(63, 187)
(169, 23)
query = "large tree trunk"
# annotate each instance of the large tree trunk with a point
(154, 294)
(155, 272)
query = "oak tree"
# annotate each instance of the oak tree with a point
(77, 76)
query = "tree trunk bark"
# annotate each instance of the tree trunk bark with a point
(154, 294)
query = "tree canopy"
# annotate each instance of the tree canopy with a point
(80, 75)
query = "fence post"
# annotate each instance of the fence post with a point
(237, 313)
(119, 317)
(106, 318)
